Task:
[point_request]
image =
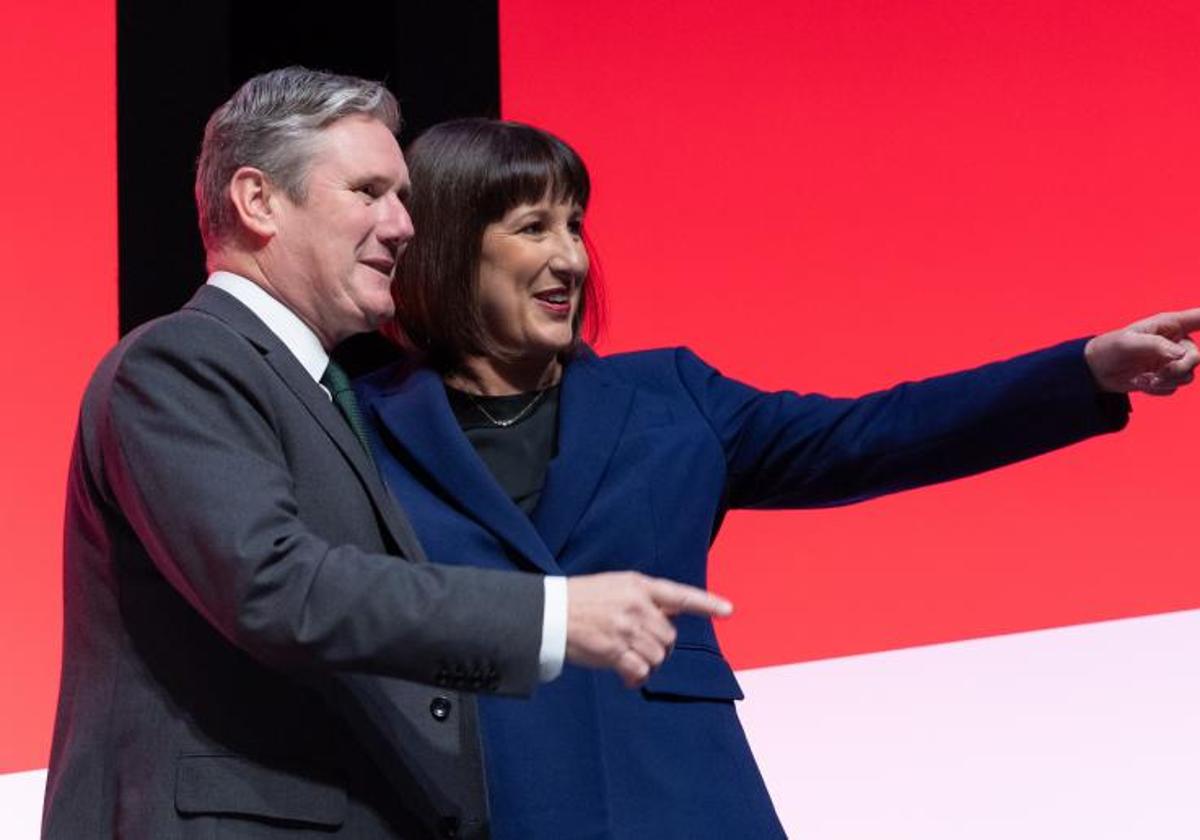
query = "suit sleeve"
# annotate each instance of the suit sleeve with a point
(790, 450)
(190, 450)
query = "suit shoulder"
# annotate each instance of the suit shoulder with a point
(637, 361)
(186, 331)
(149, 363)
(647, 366)
(169, 346)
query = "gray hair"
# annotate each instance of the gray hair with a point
(271, 123)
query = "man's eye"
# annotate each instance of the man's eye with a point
(369, 190)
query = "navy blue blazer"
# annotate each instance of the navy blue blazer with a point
(654, 448)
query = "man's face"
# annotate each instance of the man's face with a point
(334, 253)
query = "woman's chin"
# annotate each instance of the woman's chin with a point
(544, 350)
(550, 343)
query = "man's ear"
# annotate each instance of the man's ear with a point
(255, 200)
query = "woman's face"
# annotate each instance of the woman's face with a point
(532, 266)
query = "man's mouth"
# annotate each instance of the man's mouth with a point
(381, 264)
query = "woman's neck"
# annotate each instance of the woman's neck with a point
(491, 377)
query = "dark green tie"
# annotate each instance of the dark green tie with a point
(338, 383)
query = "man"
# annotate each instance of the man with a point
(246, 655)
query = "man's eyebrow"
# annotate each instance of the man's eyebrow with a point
(384, 183)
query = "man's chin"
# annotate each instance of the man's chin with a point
(376, 318)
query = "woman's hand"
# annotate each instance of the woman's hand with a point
(1154, 355)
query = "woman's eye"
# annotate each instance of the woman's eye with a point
(533, 227)
(576, 227)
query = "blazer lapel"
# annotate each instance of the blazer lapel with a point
(418, 419)
(592, 413)
(227, 308)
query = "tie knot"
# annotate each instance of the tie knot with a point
(335, 379)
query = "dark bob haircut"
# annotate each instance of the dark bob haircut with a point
(467, 174)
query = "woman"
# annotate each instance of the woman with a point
(511, 444)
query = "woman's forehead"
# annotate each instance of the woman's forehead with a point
(566, 205)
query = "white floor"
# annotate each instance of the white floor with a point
(21, 804)
(1081, 733)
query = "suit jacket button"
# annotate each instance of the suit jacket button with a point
(440, 707)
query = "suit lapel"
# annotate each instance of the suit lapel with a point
(592, 413)
(228, 309)
(416, 415)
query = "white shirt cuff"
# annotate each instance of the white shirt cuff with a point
(554, 629)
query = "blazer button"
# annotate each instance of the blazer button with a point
(440, 707)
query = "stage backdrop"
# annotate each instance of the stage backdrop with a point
(836, 196)
(827, 196)
(58, 293)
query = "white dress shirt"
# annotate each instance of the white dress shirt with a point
(306, 347)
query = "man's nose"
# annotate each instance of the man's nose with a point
(395, 226)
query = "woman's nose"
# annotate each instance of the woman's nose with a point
(571, 256)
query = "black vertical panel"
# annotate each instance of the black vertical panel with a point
(448, 65)
(172, 64)
(177, 62)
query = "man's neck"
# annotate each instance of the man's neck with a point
(248, 266)
(300, 340)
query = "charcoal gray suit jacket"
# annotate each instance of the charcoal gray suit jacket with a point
(254, 645)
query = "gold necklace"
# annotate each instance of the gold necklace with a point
(504, 424)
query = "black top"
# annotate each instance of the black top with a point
(517, 455)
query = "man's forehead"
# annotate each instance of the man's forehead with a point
(360, 142)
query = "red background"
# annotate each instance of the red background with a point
(58, 293)
(835, 196)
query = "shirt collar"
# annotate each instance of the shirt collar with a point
(296, 335)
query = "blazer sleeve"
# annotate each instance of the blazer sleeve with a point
(188, 447)
(790, 450)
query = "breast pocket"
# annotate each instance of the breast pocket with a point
(696, 672)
